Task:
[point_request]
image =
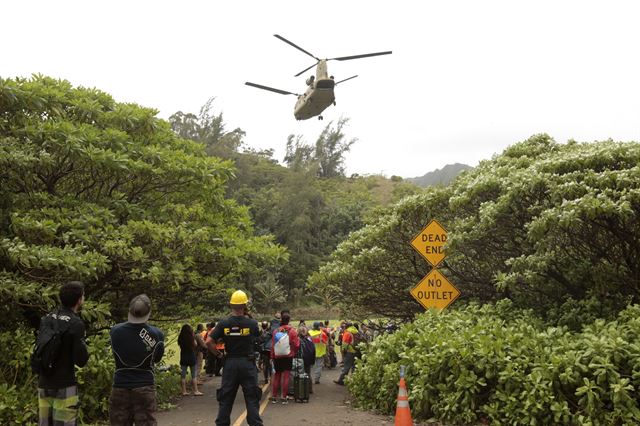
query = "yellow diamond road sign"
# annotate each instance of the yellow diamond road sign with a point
(430, 242)
(435, 291)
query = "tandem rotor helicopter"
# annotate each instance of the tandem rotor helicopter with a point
(319, 94)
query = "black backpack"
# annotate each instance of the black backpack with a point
(48, 345)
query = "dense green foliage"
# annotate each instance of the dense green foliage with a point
(107, 193)
(309, 206)
(18, 395)
(500, 364)
(551, 226)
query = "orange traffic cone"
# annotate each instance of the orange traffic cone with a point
(403, 413)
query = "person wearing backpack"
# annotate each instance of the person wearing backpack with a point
(284, 345)
(307, 352)
(349, 349)
(60, 346)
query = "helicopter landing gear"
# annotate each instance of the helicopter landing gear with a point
(320, 117)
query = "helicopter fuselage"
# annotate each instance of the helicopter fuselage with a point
(318, 96)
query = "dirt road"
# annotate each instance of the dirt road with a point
(328, 406)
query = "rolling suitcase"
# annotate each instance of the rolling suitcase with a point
(301, 387)
(296, 370)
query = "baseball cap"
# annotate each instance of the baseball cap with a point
(139, 309)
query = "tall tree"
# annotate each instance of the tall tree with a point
(107, 193)
(326, 158)
(208, 129)
(331, 147)
(299, 156)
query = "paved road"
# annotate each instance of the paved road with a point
(328, 406)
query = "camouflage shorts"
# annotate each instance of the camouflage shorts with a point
(58, 407)
(138, 405)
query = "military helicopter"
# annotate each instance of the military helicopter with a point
(319, 94)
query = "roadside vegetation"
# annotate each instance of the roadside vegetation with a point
(543, 243)
(497, 364)
(107, 193)
(550, 231)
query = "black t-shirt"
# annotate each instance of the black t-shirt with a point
(136, 347)
(238, 334)
(73, 350)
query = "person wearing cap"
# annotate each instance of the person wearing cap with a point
(136, 347)
(238, 333)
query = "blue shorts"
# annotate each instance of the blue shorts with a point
(183, 371)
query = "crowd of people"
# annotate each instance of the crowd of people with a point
(236, 348)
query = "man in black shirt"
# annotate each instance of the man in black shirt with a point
(58, 392)
(136, 347)
(238, 333)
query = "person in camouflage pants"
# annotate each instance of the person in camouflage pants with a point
(136, 347)
(129, 406)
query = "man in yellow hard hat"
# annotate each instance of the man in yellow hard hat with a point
(238, 333)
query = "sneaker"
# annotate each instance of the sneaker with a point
(285, 401)
(317, 382)
(337, 382)
(274, 400)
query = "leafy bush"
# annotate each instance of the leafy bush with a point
(502, 365)
(542, 224)
(105, 192)
(18, 394)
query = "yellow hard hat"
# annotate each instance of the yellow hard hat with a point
(239, 297)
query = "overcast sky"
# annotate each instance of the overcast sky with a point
(465, 80)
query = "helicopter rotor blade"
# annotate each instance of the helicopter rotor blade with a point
(305, 70)
(271, 89)
(296, 46)
(366, 55)
(342, 81)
